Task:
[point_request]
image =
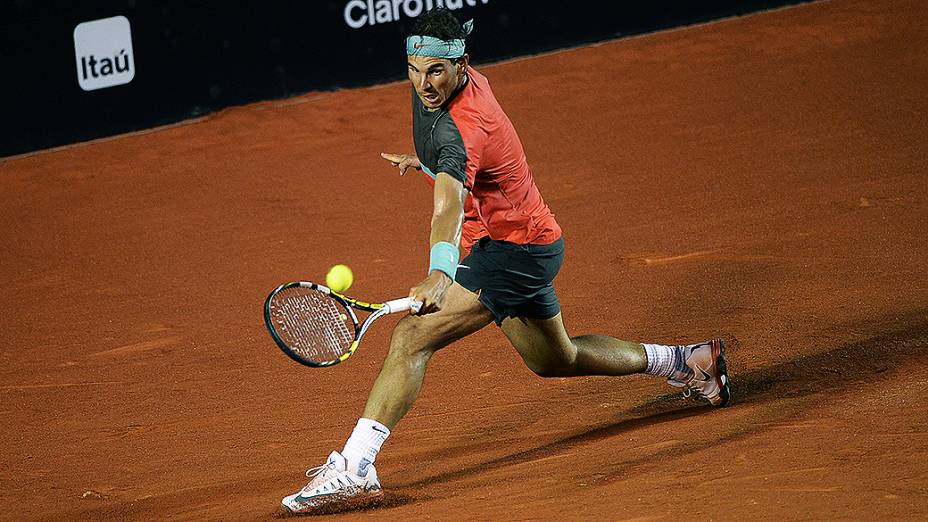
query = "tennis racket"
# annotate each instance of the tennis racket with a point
(317, 326)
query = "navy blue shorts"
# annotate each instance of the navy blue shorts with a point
(513, 280)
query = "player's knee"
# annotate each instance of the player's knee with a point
(551, 366)
(410, 340)
(544, 352)
(548, 370)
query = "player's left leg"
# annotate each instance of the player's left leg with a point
(549, 351)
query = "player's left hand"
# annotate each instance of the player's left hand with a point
(402, 161)
(431, 292)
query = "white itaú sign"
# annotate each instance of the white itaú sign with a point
(359, 13)
(103, 49)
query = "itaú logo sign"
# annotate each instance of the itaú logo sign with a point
(359, 13)
(103, 49)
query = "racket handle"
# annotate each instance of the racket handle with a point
(401, 305)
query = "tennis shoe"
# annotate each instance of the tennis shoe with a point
(709, 377)
(334, 488)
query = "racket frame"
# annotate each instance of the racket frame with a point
(349, 304)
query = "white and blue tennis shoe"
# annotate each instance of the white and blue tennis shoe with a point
(707, 370)
(334, 488)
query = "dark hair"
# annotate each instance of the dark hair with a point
(439, 23)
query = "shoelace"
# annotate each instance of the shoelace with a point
(314, 472)
(332, 483)
(317, 475)
(692, 387)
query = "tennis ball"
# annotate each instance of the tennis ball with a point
(339, 278)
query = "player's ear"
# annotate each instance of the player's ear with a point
(463, 61)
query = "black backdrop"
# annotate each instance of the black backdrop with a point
(198, 56)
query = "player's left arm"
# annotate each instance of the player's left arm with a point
(447, 216)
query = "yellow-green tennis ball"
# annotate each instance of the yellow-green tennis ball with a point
(339, 278)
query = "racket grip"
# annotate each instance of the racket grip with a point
(401, 305)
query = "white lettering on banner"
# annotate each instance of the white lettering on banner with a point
(410, 11)
(103, 50)
(355, 23)
(359, 13)
(383, 11)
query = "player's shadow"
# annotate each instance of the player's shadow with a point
(838, 368)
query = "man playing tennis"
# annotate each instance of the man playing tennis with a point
(483, 186)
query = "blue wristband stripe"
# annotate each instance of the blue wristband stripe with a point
(444, 256)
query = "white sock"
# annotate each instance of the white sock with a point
(667, 361)
(364, 444)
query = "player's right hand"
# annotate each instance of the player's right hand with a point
(430, 292)
(402, 161)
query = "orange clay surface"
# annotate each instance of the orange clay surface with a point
(760, 178)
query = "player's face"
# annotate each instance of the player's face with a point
(435, 79)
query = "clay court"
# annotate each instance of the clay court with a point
(760, 178)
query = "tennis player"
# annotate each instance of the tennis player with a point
(484, 187)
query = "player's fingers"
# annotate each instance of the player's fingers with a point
(428, 306)
(414, 295)
(395, 159)
(407, 164)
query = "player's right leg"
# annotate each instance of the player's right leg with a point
(415, 340)
(349, 476)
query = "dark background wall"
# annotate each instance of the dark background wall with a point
(195, 57)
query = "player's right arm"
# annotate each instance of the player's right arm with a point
(447, 216)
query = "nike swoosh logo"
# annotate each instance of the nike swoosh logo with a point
(705, 376)
(304, 498)
(375, 428)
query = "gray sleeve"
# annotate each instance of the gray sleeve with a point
(452, 155)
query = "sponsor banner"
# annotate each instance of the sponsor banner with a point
(103, 49)
(358, 13)
(195, 58)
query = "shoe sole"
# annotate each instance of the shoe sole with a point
(334, 506)
(721, 372)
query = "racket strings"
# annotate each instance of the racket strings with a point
(311, 324)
